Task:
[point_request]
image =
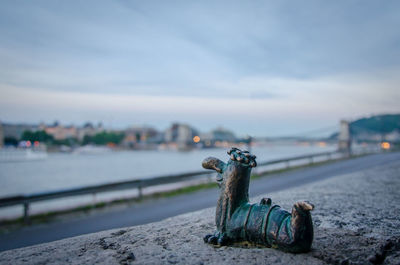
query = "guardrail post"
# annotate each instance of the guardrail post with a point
(311, 159)
(287, 163)
(329, 156)
(94, 199)
(209, 178)
(140, 192)
(26, 212)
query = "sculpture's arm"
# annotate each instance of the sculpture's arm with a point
(215, 164)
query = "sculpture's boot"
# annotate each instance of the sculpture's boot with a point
(296, 233)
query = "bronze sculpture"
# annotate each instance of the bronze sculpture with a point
(263, 223)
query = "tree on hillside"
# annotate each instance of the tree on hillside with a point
(40, 136)
(376, 124)
(103, 138)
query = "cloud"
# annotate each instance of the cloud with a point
(262, 61)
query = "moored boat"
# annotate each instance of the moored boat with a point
(21, 154)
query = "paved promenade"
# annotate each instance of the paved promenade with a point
(356, 221)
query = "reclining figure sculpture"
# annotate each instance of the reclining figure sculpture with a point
(262, 224)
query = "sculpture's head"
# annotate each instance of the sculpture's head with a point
(239, 161)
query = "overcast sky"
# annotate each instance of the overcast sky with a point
(263, 68)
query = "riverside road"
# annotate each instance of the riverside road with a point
(158, 209)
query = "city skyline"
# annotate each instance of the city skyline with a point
(33, 127)
(262, 68)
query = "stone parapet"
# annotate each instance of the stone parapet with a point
(356, 221)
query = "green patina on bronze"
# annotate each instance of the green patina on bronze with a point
(263, 223)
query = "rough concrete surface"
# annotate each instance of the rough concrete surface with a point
(356, 221)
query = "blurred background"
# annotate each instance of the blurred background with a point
(100, 92)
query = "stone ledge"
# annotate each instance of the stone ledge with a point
(356, 221)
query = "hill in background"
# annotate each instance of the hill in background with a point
(375, 128)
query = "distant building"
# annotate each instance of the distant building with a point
(139, 137)
(181, 134)
(15, 131)
(217, 136)
(171, 134)
(89, 129)
(223, 135)
(185, 134)
(60, 132)
(367, 136)
(393, 136)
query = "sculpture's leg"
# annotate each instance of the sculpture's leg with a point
(296, 231)
(301, 228)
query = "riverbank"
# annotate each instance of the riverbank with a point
(355, 219)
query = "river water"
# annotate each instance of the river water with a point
(62, 171)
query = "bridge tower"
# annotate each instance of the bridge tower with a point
(1, 135)
(344, 137)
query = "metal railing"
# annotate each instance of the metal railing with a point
(139, 184)
(310, 157)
